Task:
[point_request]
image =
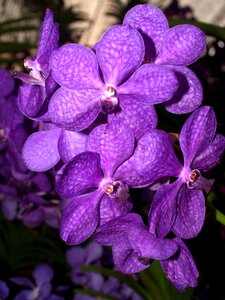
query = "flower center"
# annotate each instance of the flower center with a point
(117, 189)
(108, 100)
(194, 175)
(197, 181)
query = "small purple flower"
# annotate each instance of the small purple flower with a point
(39, 84)
(4, 290)
(134, 248)
(180, 206)
(41, 288)
(175, 48)
(112, 80)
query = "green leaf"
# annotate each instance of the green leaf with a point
(128, 280)
(211, 30)
(14, 46)
(94, 293)
(219, 216)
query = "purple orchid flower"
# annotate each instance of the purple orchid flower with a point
(134, 248)
(39, 84)
(173, 48)
(180, 206)
(97, 183)
(41, 288)
(112, 80)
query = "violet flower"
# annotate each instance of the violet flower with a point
(180, 206)
(39, 84)
(111, 80)
(173, 48)
(97, 183)
(134, 248)
(41, 288)
(4, 290)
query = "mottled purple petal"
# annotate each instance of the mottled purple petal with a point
(80, 175)
(30, 99)
(182, 45)
(111, 208)
(181, 269)
(151, 23)
(80, 218)
(40, 151)
(164, 209)
(211, 156)
(50, 85)
(153, 158)
(189, 94)
(197, 133)
(114, 142)
(190, 213)
(151, 83)
(127, 260)
(147, 245)
(6, 83)
(120, 51)
(139, 116)
(46, 29)
(75, 67)
(71, 143)
(74, 110)
(114, 232)
(43, 274)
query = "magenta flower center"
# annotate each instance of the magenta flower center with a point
(117, 189)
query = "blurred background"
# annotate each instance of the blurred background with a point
(84, 21)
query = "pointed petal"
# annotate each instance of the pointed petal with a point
(148, 246)
(75, 67)
(114, 142)
(40, 151)
(30, 99)
(80, 175)
(114, 232)
(80, 218)
(189, 94)
(163, 210)
(46, 29)
(153, 158)
(182, 45)
(71, 143)
(197, 133)
(190, 213)
(74, 110)
(151, 23)
(181, 269)
(43, 274)
(139, 116)
(111, 208)
(151, 83)
(211, 156)
(127, 260)
(120, 51)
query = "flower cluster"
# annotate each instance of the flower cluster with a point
(98, 125)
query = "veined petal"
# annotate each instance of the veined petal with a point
(80, 218)
(71, 143)
(114, 142)
(114, 232)
(182, 45)
(151, 23)
(79, 175)
(139, 116)
(148, 246)
(189, 94)
(181, 269)
(111, 208)
(120, 51)
(190, 213)
(46, 29)
(151, 83)
(211, 156)
(74, 110)
(40, 151)
(163, 210)
(127, 260)
(75, 67)
(197, 133)
(154, 157)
